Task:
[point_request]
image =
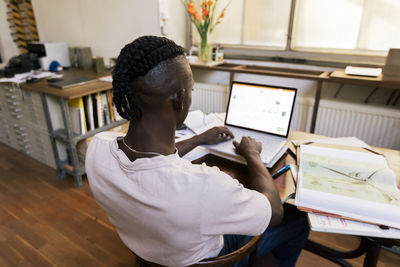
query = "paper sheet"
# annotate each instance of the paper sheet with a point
(342, 226)
(22, 77)
(107, 78)
(342, 141)
(200, 122)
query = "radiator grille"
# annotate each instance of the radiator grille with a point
(378, 126)
(209, 97)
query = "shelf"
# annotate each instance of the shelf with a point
(61, 134)
(264, 70)
(341, 77)
(41, 86)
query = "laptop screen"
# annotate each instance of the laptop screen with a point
(262, 108)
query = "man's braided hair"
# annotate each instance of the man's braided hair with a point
(134, 60)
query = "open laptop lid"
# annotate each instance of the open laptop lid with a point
(262, 108)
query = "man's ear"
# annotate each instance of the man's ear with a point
(178, 99)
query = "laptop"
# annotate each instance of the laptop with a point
(263, 112)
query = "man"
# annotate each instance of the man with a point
(166, 209)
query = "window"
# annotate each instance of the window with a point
(356, 25)
(361, 27)
(253, 23)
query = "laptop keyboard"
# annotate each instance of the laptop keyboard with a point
(270, 144)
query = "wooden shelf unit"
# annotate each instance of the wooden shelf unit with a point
(66, 135)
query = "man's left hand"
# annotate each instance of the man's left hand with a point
(216, 135)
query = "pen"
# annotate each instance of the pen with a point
(280, 172)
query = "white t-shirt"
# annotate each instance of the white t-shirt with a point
(168, 210)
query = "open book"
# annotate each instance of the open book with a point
(352, 184)
(199, 122)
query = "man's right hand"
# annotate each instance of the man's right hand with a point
(248, 147)
(259, 177)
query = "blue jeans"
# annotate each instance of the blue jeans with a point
(285, 240)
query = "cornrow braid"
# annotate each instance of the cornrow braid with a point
(134, 60)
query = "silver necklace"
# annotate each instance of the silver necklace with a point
(141, 152)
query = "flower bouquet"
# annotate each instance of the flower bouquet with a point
(205, 23)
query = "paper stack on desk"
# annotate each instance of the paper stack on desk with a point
(323, 223)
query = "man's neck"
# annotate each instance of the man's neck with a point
(152, 134)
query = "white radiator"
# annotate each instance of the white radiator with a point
(376, 125)
(210, 97)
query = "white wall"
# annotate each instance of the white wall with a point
(104, 25)
(7, 47)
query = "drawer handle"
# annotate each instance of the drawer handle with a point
(19, 128)
(11, 96)
(14, 103)
(23, 141)
(21, 135)
(18, 116)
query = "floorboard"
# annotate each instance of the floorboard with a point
(46, 221)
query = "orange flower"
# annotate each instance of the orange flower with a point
(204, 13)
(218, 22)
(222, 14)
(196, 15)
(191, 8)
(209, 2)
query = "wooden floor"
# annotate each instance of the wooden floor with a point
(46, 221)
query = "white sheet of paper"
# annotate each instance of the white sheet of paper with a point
(330, 224)
(343, 141)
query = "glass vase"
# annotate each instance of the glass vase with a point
(205, 50)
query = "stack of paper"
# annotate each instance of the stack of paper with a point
(323, 223)
(391, 71)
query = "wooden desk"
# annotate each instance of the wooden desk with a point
(285, 184)
(73, 92)
(370, 246)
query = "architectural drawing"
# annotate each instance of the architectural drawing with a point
(351, 177)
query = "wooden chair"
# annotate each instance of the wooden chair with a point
(225, 260)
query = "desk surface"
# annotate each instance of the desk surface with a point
(73, 92)
(285, 183)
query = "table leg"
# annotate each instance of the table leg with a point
(372, 254)
(316, 106)
(231, 76)
(71, 145)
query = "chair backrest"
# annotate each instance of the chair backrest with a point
(225, 260)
